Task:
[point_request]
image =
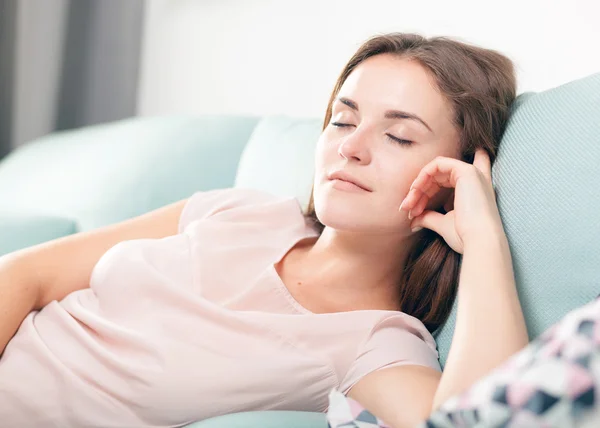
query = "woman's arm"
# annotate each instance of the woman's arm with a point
(489, 328)
(490, 325)
(18, 295)
(33, 277)
(400, 396)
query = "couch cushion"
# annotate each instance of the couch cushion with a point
(546, 176)
(279, 157)
(106, 173)
(265, 419)
(19, 230)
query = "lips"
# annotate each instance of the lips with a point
(345, 176)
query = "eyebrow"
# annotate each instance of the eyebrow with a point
(390, 114)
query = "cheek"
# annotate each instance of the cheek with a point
(325, 156)
(322, 148)
(395, 194)
(397, 181)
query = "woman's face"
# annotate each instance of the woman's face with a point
(388, 121)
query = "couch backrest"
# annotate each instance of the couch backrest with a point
(107, 173)
(546, 177)
(279, 157)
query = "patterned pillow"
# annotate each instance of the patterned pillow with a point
(553, 382)
(345, 412)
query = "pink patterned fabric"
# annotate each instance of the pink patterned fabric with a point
(348, 413)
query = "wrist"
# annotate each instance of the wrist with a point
(488, 239)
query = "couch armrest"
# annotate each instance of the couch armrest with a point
(19, 231)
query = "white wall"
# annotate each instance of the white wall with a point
(269, 57)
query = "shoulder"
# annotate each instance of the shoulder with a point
(397, 362)
(396, 331)
(395, 324)
(395, 339)
(234, 201)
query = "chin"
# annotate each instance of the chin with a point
(344, 213)
(339, 211)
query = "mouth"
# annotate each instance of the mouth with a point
(345, 181)
(347, 186)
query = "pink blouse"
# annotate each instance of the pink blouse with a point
(196, 325)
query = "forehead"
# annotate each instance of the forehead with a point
(388, 82)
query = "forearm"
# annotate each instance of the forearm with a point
(490, 325)
(18, 297)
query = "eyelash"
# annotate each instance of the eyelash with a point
(397, 140)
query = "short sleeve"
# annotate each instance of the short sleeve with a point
(396, 341)
(204, 204)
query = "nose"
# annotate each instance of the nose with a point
(355, 148)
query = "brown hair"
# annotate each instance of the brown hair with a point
(480, 85)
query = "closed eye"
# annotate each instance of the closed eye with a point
(399, 140)
(341, 125)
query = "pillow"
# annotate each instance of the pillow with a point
(265, 419)
(553, 382)
(346, 412)
(546, 177)
(279, 157)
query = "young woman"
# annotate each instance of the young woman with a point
(235, 300)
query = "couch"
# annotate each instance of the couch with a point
(547, 178)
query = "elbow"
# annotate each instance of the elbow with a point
(438, 399)
(434, 407)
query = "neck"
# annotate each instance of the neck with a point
(363, 269)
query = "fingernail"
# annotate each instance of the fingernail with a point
(400, 209)
(416, 229)
(410, 215)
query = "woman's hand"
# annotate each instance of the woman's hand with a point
(472, 214)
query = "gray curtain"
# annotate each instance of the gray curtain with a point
(66, 64)
(7, 41)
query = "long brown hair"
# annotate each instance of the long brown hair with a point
(480, 85)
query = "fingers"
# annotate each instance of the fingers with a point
(430, 220)
(483, 163)
(443, 225)
(419, 207)
(440, 172)
(412, 198)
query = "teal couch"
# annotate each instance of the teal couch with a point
(546, 177)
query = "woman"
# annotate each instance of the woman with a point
(235, 300)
